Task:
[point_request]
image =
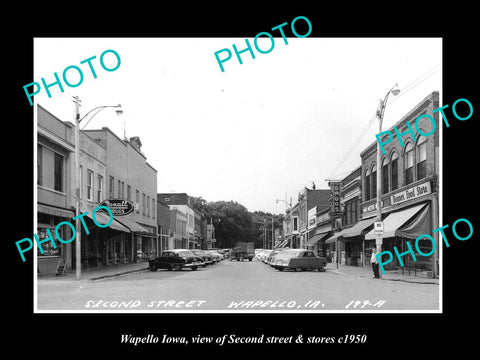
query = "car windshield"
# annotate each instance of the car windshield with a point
(185, 253)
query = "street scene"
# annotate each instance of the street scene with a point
(237, 286)
(265, 193)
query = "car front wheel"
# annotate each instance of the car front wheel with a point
(194, 268)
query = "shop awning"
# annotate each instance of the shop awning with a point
(316, 238)
(409, 223)
(103, 219)
(132, 225)
(358, 228)
(51, 210)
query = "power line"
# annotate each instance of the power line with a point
(405, 90)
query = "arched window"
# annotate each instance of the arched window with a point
(374, 181)
(421, 158)
(409, 161)
(367, 185)
(385, 176)
(394, 170)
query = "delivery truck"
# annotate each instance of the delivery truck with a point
(242, 251)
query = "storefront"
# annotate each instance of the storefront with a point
(48, 217)
(316, 242)
(350, 243)
(405, 225)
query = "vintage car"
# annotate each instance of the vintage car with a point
(272, 255)
(216, 256)
(206, 257)
(176, 260)
(298, 260)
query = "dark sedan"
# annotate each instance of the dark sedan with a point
(176, 260)
(298, 260)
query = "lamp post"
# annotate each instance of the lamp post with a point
(78, 230)
(380, 112)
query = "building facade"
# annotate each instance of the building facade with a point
(54, 153)
(183, 203)
(130, 177)
(163, 222)
(409, 190)
(347, 241)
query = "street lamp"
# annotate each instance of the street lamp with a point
(78, 243)
(380, 112)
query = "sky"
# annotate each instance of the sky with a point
(257, 132)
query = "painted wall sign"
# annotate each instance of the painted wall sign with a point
(119, 207)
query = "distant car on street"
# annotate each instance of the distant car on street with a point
(206, 257)
(298, 260)
(216, 256)
(176, 259)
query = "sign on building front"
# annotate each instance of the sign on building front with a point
(118, 207)
(412, 193)
(336, 187)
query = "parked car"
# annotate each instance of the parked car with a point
(272, 255)
(176, 260)
(206, 257)
(298, 260)
(216, 256)
(264, 255)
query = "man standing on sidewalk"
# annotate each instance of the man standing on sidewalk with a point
(373, 260)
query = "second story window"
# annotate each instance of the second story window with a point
(89, 185)
(409, 160)
(385, 188)
(58, 172)
(394, 171)
(422, 158)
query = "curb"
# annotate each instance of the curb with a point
(412, 281)
(118, 274)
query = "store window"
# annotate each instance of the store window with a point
(385, 176)
(394, 171)
(409, 161)
(422, 158)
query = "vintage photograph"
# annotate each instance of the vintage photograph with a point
(268, 174)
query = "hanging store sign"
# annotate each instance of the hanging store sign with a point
(412, 193)
(119, 207)
(336, 187)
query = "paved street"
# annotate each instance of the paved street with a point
(226, 286)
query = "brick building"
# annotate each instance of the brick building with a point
(409, 189)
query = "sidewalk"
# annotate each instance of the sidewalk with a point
(102, 272)
(367, 273)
